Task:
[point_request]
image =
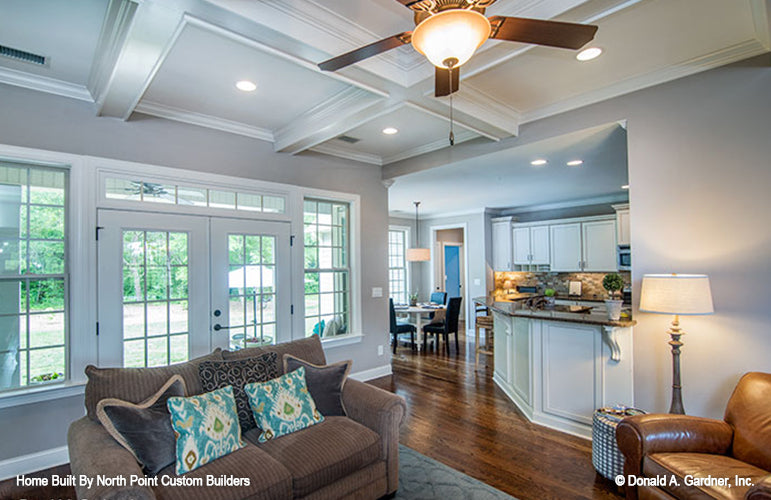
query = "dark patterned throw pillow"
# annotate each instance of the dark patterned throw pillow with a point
(325, 383)
(218, 374)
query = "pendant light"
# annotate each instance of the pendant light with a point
(418, 254)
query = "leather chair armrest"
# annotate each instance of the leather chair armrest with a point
(94, 452)
(382, 412)
(761, 490)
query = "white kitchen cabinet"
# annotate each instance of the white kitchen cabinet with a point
(599, 245)
(531, 245)
(501, 335)
(622, 224)
(502, 244)
(566, 247)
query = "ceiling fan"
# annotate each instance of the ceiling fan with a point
(448, 32)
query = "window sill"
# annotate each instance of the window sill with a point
(331, 342)
(27, 396)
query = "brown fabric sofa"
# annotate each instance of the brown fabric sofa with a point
(676, 446)
(343, 457)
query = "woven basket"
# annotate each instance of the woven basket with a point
(606, 457)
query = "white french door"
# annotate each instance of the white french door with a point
(251, 294)
(173, 287)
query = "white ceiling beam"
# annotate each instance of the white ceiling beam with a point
(145, 32)
(331, 118)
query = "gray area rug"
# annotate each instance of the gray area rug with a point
(424, 478)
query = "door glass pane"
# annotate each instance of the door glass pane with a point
(252, 289)
(155, 278)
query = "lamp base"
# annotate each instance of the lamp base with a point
(676, 407)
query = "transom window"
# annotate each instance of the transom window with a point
(397, 265)
(33, 275)
(327, 267)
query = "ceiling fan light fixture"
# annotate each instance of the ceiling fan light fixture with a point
(450, 38)
(589, 54)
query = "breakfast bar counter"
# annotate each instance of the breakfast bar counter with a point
(558, 366)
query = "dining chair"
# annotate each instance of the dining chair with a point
(444, 329)
(438, 298)
(398, 327)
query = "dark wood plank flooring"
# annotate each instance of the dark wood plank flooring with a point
(462, 419)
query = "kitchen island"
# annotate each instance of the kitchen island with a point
(558, 366)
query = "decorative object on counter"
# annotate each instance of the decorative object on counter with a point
(417, 254)
(414, 299)
(607, 459)
(613, 283)
(550, 293)
(574, 288)
(678, 294)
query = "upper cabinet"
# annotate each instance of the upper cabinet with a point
(531, 245)
(502, 244)
(622, 224)
(584, 246)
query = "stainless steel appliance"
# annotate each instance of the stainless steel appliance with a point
(624, 258)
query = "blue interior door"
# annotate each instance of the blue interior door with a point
(452, 270)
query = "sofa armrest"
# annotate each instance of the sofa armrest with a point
(761, 490)
(93, 452)
(382, 412)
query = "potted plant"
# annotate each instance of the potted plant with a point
(613, 283)
(414, 299)
(550, 293)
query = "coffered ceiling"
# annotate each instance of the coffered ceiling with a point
(180, 59)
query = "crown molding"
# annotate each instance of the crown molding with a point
(736, 52)
(482, 106)
(597, 200)
(45, 84)
(348, 154)
(202, 120)
(461, 136)
(761, 17)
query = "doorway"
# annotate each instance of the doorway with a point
(174, 287)
(449, 263)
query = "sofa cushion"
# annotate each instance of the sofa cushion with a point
(237, 373)
(137, 384)
(323, 453)
(268, 479)
(144, 429)
(308, 349)
(700, 465)
(325, 383)
(206, 427)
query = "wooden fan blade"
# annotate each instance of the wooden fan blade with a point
(408, 3)
(370, 50)
(540, 32)
(442, 81)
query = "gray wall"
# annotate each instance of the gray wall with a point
(44, 121)
(700, 176)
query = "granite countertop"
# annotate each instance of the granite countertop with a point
(519, 309)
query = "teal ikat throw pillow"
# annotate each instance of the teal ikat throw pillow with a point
(282, 405)
(205, 426)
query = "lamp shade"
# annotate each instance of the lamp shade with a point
(683, 294)
(418, 254)
(453, 34)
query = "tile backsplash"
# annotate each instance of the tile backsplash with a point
(591, 283)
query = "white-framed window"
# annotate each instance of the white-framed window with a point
(398, 273)
(34, 306)
(326, 229)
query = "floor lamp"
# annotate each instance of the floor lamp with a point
(681, 295)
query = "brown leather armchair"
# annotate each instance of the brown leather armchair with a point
(678, 456)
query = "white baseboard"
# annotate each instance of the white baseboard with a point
(27, 464)
(372, 373)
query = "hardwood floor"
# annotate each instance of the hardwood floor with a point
(462, 419)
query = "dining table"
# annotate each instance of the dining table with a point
(418, 316)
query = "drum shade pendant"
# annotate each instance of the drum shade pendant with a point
(418, 254)
(449, 38)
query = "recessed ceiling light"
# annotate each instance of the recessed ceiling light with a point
(390, 130)
(575, 163)
(538, 163)
(625, 186)
(246, 86)
(589, 54)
